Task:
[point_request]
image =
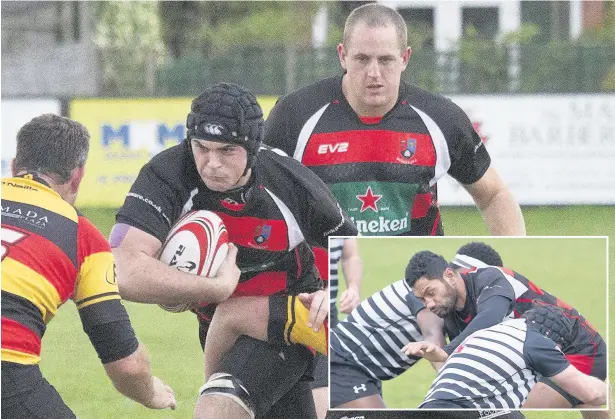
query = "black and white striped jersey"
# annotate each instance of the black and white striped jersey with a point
(335, 254)
(373, 335)
(495, 368)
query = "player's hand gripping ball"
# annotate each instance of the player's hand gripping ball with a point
(196, 244)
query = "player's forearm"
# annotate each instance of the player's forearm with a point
(144, 279)
(353, 272)
(502, 214)
(586, 388)
(132, 376)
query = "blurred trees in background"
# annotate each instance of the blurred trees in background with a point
(175, 48)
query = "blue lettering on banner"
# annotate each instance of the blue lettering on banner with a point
(109, 134)
(174, 133)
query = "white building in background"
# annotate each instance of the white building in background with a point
(558, 19)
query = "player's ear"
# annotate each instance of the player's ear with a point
(76, 178)
(342, 56)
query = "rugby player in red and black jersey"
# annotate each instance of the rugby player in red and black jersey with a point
(483, 296)
(50, 254)
(381, 144)
(274, 209)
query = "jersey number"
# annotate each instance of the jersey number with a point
(9, 238)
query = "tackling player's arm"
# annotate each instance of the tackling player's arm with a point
(252, 316)
(432, 329)
(545, 357)
(107, 324)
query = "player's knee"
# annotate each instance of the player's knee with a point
(225, 385)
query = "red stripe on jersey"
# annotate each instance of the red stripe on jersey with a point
(49, 261)
(19, 338)
(266, 283)
(90, 240)
(244, 231)
(422, 203)
(435, 224)
(321, 260)
(583, 363)
(535, 288)
(370, 120)
(508, 271)
(369, 146)
(563, 304)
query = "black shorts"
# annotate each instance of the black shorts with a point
(274, 377)
(350, 382)
(420, 414)
(590, 358)
(26, 394)
(321, 373)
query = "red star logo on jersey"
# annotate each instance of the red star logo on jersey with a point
(368, 201)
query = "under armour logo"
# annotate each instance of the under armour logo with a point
(359, 388)
(213, 129)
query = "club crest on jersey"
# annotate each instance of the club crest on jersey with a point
(407, 148)
(262, 233)
(369, 200)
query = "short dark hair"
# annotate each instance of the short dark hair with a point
(376, 15)
(425, 264)
(478, 250)
(52, 145)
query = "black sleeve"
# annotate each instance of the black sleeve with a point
(414, 304)
(543, 355)
(277, 134)
(490, 282)
(490, 312)
(108, 327)
(469, 157)
(149, 205)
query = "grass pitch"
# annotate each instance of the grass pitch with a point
(71, 365)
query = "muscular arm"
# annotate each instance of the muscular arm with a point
(432, 329)
(586, 388)
(143, 278)
(497, 205)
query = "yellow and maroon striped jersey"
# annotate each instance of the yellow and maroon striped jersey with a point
(50, 253)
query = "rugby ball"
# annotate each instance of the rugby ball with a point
(197, 244)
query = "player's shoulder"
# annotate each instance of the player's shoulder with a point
(173, 166)
(282, 172)
(438, 107)
(307, 99)
(90, 239)
(272, 160)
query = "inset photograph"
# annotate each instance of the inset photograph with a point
(470, 323)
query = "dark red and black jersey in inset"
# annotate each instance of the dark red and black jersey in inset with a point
(486, 282)
(286, 209)
(383, 171)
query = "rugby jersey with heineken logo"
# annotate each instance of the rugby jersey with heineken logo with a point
(383, 171)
